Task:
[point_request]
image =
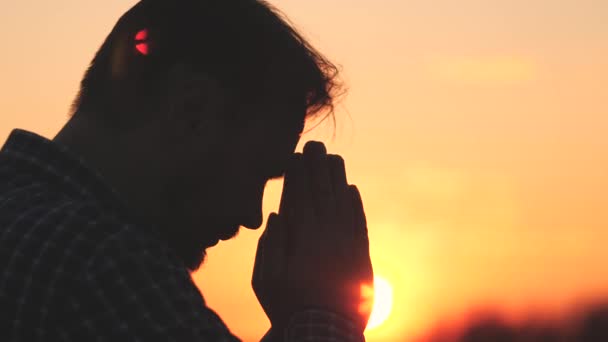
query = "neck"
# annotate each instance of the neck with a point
(119, 158)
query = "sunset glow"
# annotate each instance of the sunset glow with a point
(383, 302)
(475, 130)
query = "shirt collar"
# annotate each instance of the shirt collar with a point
(63, 167)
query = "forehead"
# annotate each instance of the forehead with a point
(271, 145)
(280, 137)
(281, 120)
(274, 126)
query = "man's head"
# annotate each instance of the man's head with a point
(208, 99)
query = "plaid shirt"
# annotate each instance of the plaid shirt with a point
(74, 265)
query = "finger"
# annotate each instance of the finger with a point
(315, 147)
(299, 213)
(361, 233)
(288, 185)
(338, 172)
(256, 279)
(344, 203)
(275, 249)
(296, 199)
(360, 225)
(315, 160)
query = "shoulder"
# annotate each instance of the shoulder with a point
(135, 281)
(72, 234)
(131, 247)
(107, 240)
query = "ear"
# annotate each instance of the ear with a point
(196, 103)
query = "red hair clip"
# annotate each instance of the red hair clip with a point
(141, 42)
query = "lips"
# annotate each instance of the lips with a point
(228, 234)
(213, 243)
(224, 235)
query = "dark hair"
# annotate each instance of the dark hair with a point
(245, 45)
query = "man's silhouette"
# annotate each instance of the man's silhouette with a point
(185, 113)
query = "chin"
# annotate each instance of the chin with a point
(190, 244)
(189, 248)
(193, 252)
(230, 232)
(194, 262)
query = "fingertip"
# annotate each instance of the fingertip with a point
(293, 165)
(356, 195)
(337, 169)
(337, 159)
(272, 220)
(294, 162)
(358, 205)
(354, 191)
(315, 148)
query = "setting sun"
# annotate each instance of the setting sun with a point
(474, 131)
(383, 302)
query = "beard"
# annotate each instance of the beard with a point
(190, 250)
(189, 240)
(192, 226)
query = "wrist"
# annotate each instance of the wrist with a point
(316, 322)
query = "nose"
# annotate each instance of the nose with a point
(252, 213)
(252, 221)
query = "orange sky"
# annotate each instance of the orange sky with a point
(475, 129)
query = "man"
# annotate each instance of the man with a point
(187, 110)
